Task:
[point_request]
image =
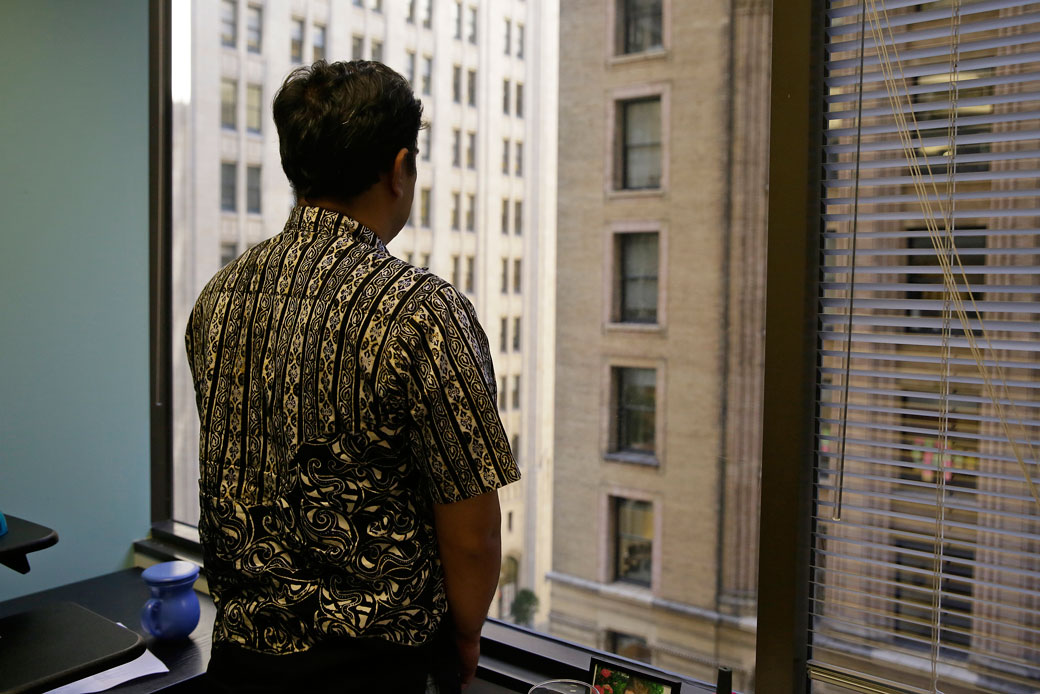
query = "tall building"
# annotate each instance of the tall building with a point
(660, 263)
(484, 215)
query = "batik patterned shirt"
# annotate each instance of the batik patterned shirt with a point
(341, 393)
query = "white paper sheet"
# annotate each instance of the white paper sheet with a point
(147, 664)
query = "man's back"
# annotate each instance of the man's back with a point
(341, 393)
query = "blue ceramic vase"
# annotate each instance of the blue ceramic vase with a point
(173, 610)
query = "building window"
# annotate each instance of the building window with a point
(456, 18)
(520, 41)
(515, 445)
(519, 100)
(518, 215)
(472, 25)
(253, 189)
(319, 42)
(427, 142)
(471, 212)
(228, 174)
(505, 275)
(427, 74)
(424, 208)
(377, 5)
(636, 261)
(639, 25)
(503, 342)
(628, 646)
(633, 541)
(913, 594)
(519, 158)
(505, 155)
(503, 392)
(456, 147)
(471, 150)
(455, 270)
(228, 252)
(253, 107)
(296, 41)
(635, 410)
(516, 334)
(471, 272)
(228, 103)
(357, 48)
(516, 392)
(411, 11)
(508, 37)
(411, 68)
(471, 83)
(455, 203)
(518, 274)
(229, 23)
(506, 87)
(254, 20)
(639, 143)
(426, 261)
(427, 19)
(377, 51)
(505, 215)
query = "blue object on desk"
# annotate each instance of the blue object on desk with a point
(173, 610)
(3, 524)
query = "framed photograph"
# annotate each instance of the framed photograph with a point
(609, 678)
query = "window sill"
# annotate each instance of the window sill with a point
(644, 459)
(635, 193)
(642, 56)
(614, 326)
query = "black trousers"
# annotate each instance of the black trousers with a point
(344, 666)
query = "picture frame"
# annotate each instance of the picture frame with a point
(616, 678)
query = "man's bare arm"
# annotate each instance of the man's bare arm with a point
(470, 543)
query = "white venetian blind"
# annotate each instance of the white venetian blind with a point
(926, 536)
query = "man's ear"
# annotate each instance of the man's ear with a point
(401, 172)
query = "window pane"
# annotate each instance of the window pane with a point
(471, 83)
(472, 28)
(254, 20)
(641, 143)
(637, 290)
(228, 103)
(253, 189)
(634, 541)
(357, 48)
(228, 173)
(639, 25)
(229, 23)
(253, 108)
(296, 41)
(377, 51)
(319, 42)
(636, 409)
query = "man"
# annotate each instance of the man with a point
(350, 446)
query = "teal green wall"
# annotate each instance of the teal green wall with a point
(74, 451)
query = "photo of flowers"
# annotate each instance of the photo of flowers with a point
(607, 679)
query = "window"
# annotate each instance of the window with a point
(503, 391)
(471, 150)
(508, 37)
(426, 260)
(228, 186)
(377, 51)
(229, 23)
(254, 21)
(519, 158)
(424, 207)
(506, 87)
(359, 3)
(377, 5)
(455, 266)
(503, 342)
(427, 20)
(505, 155)
(296, 41)
(253, 189)
(456, 147)
(456, 18)
(471, 83)
(455, 204)
(913, 595)
(520, 41)
(456, 84)
(505, 275)
(518, 274)
(411, 11)
(639, 143)
(471, 212)
(427, 74)
(516, 392)
(633, 523)
(357, 47)
(228, 103)
(518, 214)
(228, 252)
(636, 277)
(472, 25)
(408, 257)
(639, 25)
(629, 646)
(410, 58)
(635, 410)
(519, 100)
(427, 147)
(516, 334)
(319, 42)
(470, 273)
(254, 107)
(514, 444)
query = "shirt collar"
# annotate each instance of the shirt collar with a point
(311, 220)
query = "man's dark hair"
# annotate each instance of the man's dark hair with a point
(340, 125)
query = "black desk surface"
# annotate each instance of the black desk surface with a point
(23, 537)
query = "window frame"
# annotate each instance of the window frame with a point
(609, 448)
(608, 536)
(610, 42)
(612, 150)
(611, 321)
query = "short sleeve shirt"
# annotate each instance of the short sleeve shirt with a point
(341, 393)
